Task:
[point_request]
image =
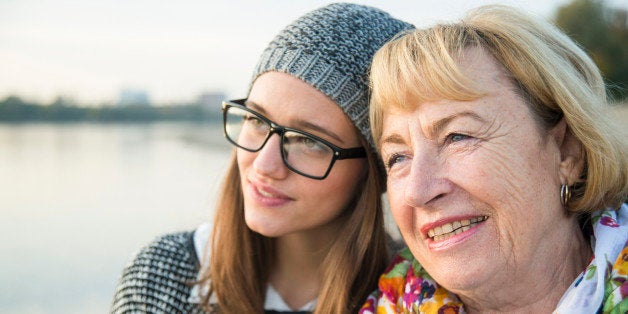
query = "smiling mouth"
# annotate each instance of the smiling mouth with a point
(269, 194)
(265, 194)
(453, 228)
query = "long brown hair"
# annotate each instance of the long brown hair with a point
(237, 271)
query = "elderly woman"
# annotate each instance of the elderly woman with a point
(504, 176)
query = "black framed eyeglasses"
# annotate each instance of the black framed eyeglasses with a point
(303, 153)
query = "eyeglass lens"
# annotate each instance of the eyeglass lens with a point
(300, 151)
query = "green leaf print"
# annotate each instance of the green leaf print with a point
(399, 270)
(591, 272)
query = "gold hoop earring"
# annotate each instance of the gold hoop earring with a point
(565, 194)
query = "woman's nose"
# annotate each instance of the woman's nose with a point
(426, 181)
(269, 161)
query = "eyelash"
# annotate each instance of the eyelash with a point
(392, 160)
(450, 137)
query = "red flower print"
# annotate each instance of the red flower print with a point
(608, 221)
(624, 290)
(412, 288)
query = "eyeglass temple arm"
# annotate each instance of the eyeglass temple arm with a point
(357, 152)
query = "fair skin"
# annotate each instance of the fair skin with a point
(302, 214)
(487, 164)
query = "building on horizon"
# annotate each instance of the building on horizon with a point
(133, 97)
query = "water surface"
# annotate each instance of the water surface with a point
(78, 199)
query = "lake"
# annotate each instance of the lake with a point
(77, 200)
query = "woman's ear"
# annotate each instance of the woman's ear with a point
(572, 154)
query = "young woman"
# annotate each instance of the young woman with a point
(299, 226)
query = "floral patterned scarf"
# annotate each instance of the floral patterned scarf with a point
(405, 287)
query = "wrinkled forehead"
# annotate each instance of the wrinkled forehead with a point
(409, 73)
(455, 78)
(466, 80)
(414, 70)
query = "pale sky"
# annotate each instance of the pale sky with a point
(91, 49)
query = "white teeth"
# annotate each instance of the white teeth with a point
(264, 193)
(453, 228)
(447, 228)
(438, 231)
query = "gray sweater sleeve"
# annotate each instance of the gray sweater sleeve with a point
(159, 278)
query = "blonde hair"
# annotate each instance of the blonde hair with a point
(237, 274)
(549, 71)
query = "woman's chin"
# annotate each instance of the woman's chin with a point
(464, 268)
(468, 281)
(265, 229)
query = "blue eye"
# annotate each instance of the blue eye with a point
(456, 137)
(394, 159)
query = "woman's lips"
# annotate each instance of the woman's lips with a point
(453, 228)
(448, 233)
(266, 195)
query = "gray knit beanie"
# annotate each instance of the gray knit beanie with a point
(331, 48)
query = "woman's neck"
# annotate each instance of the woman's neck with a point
(539, 286)
(296, 270)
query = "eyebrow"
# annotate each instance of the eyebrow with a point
(392, 139)
(255, 106)
(436, 128)
(320, 129)
(300, 122)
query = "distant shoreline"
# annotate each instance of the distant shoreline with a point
(13, 109)
(181, 114)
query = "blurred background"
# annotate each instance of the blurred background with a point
(110, 123)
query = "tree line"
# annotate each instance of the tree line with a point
(603, 33)
(601, 30)
(14, 109)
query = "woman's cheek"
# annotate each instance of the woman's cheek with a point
(400, 212)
